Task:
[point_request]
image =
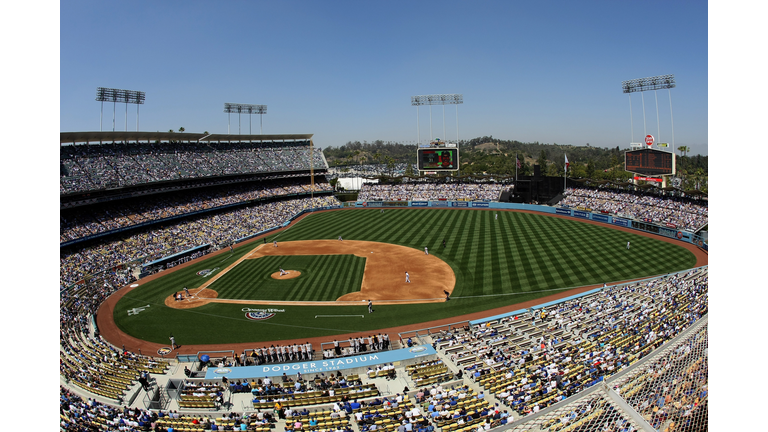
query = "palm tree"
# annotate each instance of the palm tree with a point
(683, 151)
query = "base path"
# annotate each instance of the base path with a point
(384, 278)
(385, 268)
(113, 335)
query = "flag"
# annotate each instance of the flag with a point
(566, 162)
(517, 162)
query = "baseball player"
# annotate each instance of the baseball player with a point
(407, 277)
(274, 244)
(186, 290)
(426, 251)
(627, 245)
(340, 239)
(370, 306)
(497, 216)
(173, 343)
(283, 272)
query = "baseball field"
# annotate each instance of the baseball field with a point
(490, 259)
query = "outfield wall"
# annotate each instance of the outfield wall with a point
(670, 230)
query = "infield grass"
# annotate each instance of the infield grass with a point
(323, 278)
(497, 262)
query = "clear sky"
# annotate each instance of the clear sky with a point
(346, 70)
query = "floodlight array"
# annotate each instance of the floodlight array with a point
(104, 94)
(437, 99)
(650, 83)
(233, 108)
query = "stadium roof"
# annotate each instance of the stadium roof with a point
(100, 137)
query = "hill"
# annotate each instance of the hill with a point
(495, 156)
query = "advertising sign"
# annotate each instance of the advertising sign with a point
(620, 222)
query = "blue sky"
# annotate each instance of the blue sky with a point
(531, 71)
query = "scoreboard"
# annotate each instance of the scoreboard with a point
(438, 159)
(649, 162)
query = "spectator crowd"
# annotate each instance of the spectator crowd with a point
(87, 221)
(531, 362)
(221, 228)
(431, 191)
(95, 167)
(683, 212)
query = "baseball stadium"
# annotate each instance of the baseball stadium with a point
(221, 282)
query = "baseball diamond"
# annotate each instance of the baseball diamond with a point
(377, 284)
(487, 264)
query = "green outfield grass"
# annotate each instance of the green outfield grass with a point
(515, 258)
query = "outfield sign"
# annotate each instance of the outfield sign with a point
(419, 203)
(671, 233)
(600, 218)
(480, 204)
(581, 214)
(459, 204)
(621, 222)
(321, 366)
(563, 211)
(650, 179)
(438, 204)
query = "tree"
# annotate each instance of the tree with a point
(542, 161)
(683, 151)
(409, 169)
(390, 165)
(590, 170)
(181, 129)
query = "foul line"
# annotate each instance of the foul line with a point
(325, 316)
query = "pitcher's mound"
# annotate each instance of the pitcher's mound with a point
(290, 274)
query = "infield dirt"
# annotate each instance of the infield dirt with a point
(383, 278)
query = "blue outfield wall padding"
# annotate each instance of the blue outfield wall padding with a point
(320, 366)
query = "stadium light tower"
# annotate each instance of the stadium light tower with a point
(247, 109)
(104, 94)
(437, 99)
(654, 83)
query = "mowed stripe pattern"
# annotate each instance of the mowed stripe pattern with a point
(323, 278)
(515, 252)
